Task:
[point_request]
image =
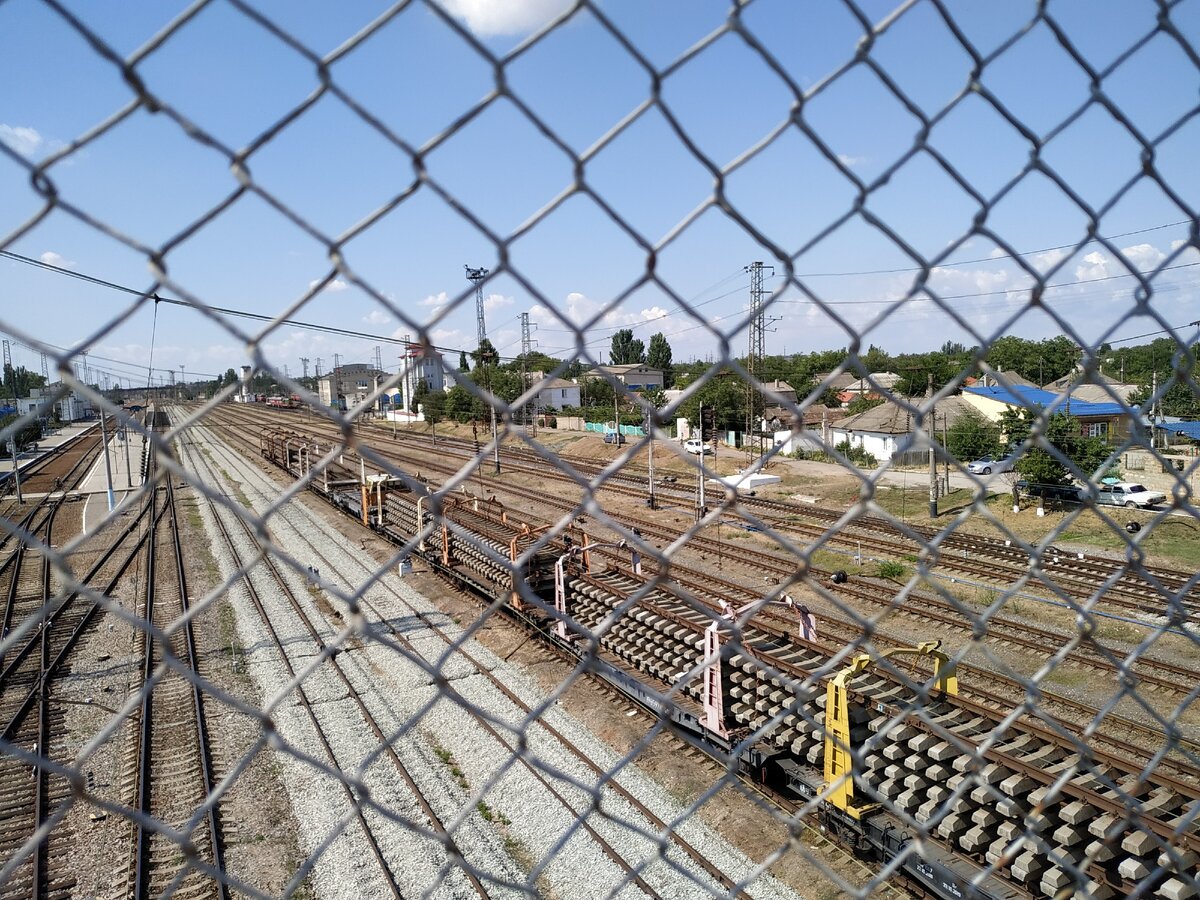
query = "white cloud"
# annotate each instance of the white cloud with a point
(1044, 262)
(436, 301)
(333, 287)
(51, 258)
(496, 301)
(849, 161)
(1143, 257)
(22, 139)
(1139, 258)
(377, 317)
(1094, 265)
(654, 312)
(487, 18)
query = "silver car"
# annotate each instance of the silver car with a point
(987, 465)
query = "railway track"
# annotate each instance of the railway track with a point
(45, 631)
(351, 570)
(1134, 588)
(175, 841)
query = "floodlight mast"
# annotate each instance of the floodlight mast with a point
(476, 277)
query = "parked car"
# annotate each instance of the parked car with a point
(1126, 493)
(1064, 492)
(614, 437)
(697, 446)
(987, 465)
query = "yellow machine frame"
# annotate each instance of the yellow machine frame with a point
(839, 764)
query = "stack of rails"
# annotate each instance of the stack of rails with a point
(995, 795)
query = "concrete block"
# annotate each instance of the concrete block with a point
(1101, 826)
(1017, 786)
(895, 752)
(937, 793)
(995, 851)
(1179, 860)
(1100, 852)
(923, 742)
(937, 772)
(1054, 880)
(900, 733)
(909, 800)
(975, 839)
(953, 826)
(925, 812)
(1068, 835)
(1028, 867)
(891, 789)
(915, 762)
(961, 805)
(1010, 830)
(1174, 889)
(895, 772)
(1133, 869)
(1077, 811)
(915, 783)
(985, 817)
(1097, 891)
(941, 751)
(1010, 808)
(1139, 843)
(985, 794)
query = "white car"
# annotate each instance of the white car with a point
(697, 446)
(1126, 493)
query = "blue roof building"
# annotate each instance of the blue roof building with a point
(1103, 420)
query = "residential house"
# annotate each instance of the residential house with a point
(634, 376)
(869, 388)
(884, 430)
(555, 393)
(1111, 421)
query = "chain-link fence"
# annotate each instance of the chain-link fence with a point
(498, 622)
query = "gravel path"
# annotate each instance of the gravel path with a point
(511, 828)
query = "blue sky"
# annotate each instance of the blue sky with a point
(394, 192)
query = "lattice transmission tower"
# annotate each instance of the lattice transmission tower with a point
(529, 408)
(760, 323)
(476, 276)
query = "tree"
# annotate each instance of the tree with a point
(1064, 433)
(29, 433)
(659, 357)
(626, 349)
(725, 395)
(972, 436)
(434, 406)
(862, 403)
(462, 361)
(19, 381)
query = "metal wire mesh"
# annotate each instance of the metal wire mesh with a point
(437, 782)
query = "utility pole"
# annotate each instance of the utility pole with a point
(86, 373)
(476, 277)
(337, 363)
(378, 358)
(318, 369)
(932, 420)
(304, 366)
(45, 369)
(8, 367)
(182, 379)
(759, 324)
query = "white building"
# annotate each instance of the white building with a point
(46, 401)
(349, 385)
(555, 393)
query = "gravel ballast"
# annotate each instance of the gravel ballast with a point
(494, 792)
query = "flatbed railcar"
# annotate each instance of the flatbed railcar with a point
(482, 547)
